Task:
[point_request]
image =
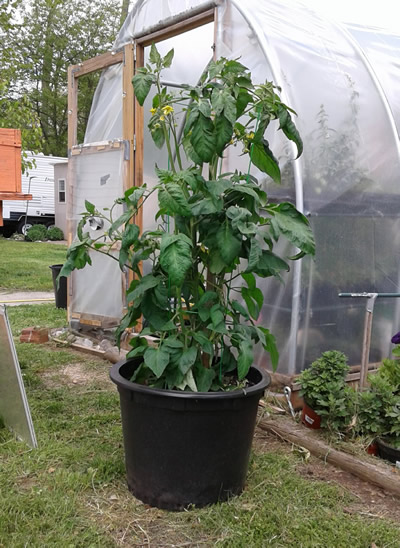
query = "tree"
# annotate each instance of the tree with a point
(46, 37)
(16, 110)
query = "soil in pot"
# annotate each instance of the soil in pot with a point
(310, 418)
(186, 448)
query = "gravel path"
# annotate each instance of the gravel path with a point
(15, 298)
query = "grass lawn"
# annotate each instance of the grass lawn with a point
(25, 265)
(71, 491)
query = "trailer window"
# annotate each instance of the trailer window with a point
(61, 191)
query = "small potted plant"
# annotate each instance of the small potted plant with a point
(327, 401)
(372, 402)
(189, 399)
(385, 387)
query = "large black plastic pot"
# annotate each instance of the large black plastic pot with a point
(387, 451)
(184, 448)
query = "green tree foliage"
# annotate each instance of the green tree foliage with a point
(44, 38)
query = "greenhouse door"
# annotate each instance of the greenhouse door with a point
(100, 171)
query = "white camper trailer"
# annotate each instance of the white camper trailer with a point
(21, 215)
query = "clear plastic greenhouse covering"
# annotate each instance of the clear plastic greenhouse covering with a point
(342, 80)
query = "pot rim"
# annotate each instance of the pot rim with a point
(384, 442)
(121, 382)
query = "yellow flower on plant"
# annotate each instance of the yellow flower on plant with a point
(167, 110)
(249, 135)
(162, 118)
(153, 110)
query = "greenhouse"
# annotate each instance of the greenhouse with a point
(341, 81)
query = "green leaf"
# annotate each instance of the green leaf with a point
(218, 328)
(90, 207)
(233, 66)
(206, 302)
(245, 358)
(263, 158)
(237, 307)
(168, 326)
(223, 102)
(250, 280)
(158, 136)
(254, 255)
(189, 381)
(228, 243)
(237, 214)
(79, 230)
(142, 83)
(157, 317)
(206, 206)
(204, 342)
(217, 315)
(157, 360)
(203, 138)
(223, 129)
(165, 175)
(175, 257)
(187, 359)
(191, 118)
(242, 100)
(173, 342)
(218, 187)
(135, 194)
(154, 56)
(124, 218)
(146, 283)
(270, 264)
(248, 229)
(287, 220)
(129, 237)
(204, 378)
(167, 60)
(138, 351)
(243, 189)
(270, 346)
(77, 258)
(254, 300)
(190, 151)
(205, 108)
(216, 264)
(172, 200)
(288, 127)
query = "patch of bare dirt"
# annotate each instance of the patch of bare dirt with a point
(370, 501)
(131, 523)
(78, 374)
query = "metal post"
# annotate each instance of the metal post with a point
(369, 311)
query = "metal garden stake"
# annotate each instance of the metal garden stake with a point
(369, 311)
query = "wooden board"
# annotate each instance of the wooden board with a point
(379, 474)
(177, 28)
(10, 160)
(95, 320)
(10, 137)
(14, 196)
(99, 62)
